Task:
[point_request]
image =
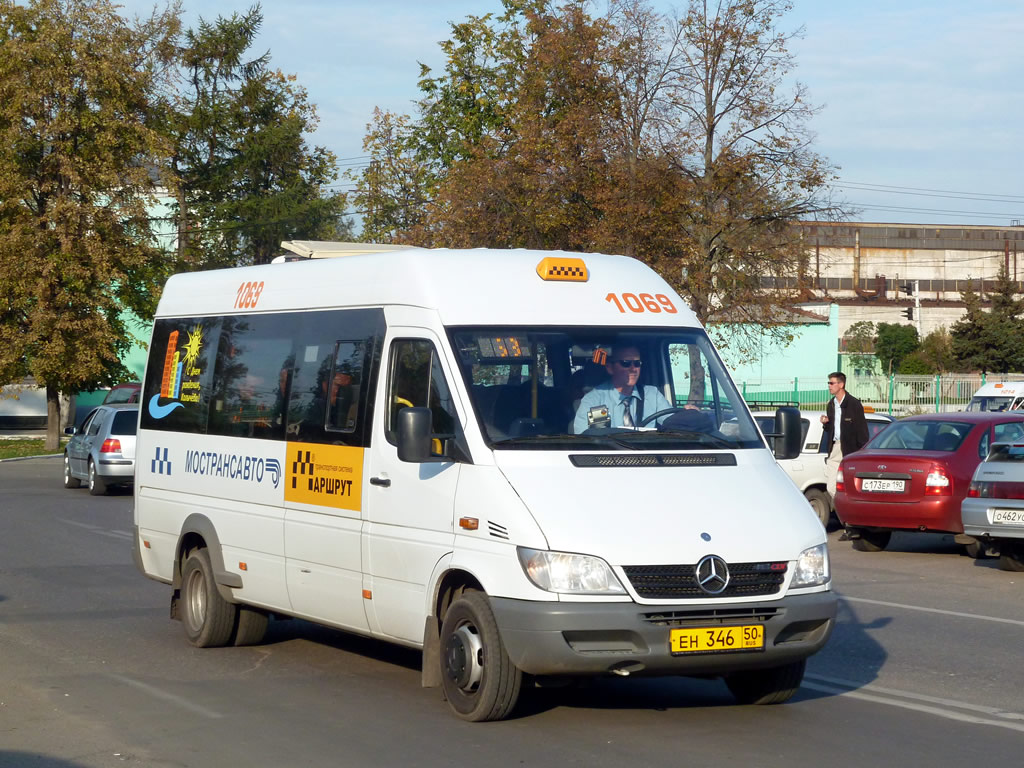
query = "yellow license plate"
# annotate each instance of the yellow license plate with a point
(717, 639)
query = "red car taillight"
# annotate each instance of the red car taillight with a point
(840, 483)
(111, 445)
(982, 490)
(938, 483)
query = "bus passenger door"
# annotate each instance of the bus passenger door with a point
(327, 410)
(409, 509)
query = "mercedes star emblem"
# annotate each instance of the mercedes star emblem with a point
(712, 574)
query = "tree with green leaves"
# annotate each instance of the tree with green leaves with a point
(392, 194)
(79, 145)
(993, 341)
(970, 338)
(894, 342)
(934, 355)
(678, 141)
(535, 182)
(247, 179)
(740, 135)
(1004, 326)
(860, 344)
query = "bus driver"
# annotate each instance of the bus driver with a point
(619, 402)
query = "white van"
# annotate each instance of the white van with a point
(998, 396)
(390, 443)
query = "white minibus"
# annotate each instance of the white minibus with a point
(998, 396)
(529, 464)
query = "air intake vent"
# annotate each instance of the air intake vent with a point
(653, 460)
(497, 531)
(678, 582)
(714, 616)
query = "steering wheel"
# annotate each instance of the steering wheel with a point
(665, 412)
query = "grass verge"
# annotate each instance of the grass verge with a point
(12, 449)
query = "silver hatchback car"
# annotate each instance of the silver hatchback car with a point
(102, 451)
(993, 512)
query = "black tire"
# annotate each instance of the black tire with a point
(872, 541)
(766, 686)
(69, 481)
(821, 504)
(208, 618)
(976, 550)
(1011, 555)
(97, 485)
(252, 626)
(478, 678)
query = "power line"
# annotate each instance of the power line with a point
(938, 211)
(911, 190)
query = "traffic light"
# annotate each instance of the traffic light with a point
(909, 313)
(907, 288)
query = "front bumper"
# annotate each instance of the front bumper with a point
(599, 638)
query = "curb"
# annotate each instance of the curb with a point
(26, 458)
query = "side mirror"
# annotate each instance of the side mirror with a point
(787, 427)
(70, 430)
(414, 435)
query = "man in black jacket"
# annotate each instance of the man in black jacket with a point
(845, 434)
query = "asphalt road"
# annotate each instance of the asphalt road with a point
(923, 669)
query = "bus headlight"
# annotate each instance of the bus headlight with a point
(812, 569)
(569, 573)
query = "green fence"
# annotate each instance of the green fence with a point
(896, 395)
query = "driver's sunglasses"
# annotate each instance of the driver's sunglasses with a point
(630, 363)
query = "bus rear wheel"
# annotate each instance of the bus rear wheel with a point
(209, 619)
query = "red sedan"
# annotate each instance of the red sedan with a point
(914, 474)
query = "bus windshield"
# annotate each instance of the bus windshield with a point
(601, 388)
(983, 403)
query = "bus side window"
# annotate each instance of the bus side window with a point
(248, 399)
(336, 359)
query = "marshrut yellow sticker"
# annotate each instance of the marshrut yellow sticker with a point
(327, 475)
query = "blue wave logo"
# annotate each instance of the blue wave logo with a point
(274, 467)
(158, 411)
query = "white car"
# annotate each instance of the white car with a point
(993, 511)
(808, 469)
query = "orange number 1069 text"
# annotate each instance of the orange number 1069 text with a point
(645, 302)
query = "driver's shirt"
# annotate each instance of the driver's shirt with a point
(605, 394)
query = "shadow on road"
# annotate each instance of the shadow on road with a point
(25, 759)
(286, 630)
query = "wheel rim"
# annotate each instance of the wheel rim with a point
(820, 509)
(67, 469)
(196, 600)
(92, 475)
(463, 655)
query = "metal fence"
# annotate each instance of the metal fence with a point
(896, 395)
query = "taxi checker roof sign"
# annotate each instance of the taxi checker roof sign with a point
(466, 287)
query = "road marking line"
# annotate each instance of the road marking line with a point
(115, 534)
(87, 526)
(97, 529)
(168, 697)
(933, 610)
(964, 718)
(871, 687)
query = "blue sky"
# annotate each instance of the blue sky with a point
(922, 99)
